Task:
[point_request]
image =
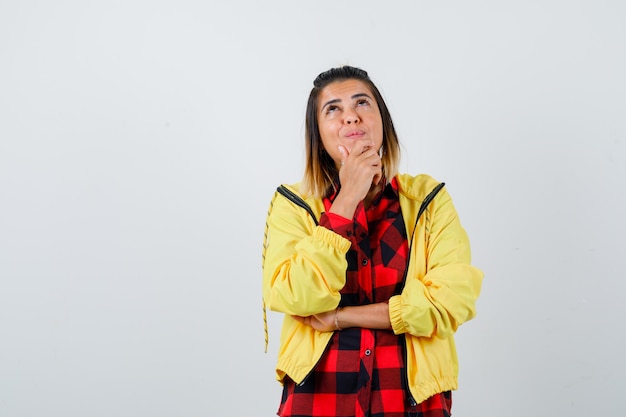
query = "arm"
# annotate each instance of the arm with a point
(370, 316)
(304, 267)
(438, 300)
(304, 264)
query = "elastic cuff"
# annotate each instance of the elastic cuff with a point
(336, 241)
(395, 315)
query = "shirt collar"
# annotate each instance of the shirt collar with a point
(390, 189)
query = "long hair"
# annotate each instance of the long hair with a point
(320, 171)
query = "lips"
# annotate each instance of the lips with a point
(355, 134)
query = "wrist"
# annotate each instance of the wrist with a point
(337, 325)
(344, 206)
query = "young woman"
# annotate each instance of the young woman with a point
(371, 268)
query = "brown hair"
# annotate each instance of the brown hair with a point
(320, 171)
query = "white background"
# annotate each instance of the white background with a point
(141, 141)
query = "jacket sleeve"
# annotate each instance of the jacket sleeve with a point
(438, 302)
(303, 264)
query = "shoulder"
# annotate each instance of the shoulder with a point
(294, 187)
(295, 190)
(416, 187)
(290, 192)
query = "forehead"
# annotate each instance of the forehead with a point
(343, 90)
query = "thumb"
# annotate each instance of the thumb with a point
(344, 153)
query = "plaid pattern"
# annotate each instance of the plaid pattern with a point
(362, 372)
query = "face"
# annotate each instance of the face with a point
(348, 113)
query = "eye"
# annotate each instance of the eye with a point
(331, 108)
(362, 102)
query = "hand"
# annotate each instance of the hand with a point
(361, 168)
(324, 322)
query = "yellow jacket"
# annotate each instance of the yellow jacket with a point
(304, 268)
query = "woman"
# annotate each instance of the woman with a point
(371, 268)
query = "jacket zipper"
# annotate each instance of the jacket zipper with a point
(430, 197)
(410, 398)
(314, 366)
(294, 198)
(297, 200)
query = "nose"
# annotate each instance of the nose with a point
(351, 116)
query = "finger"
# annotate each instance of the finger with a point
(371, 157)
(344, 153)
(299, 319)
(362, 146)
(377, 178)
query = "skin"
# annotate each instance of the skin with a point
(351, 129)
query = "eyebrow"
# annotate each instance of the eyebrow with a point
(338, 100)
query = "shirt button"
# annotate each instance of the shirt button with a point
(368, 352)
(364, 262)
